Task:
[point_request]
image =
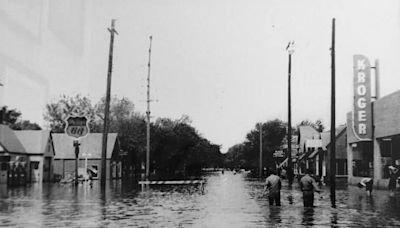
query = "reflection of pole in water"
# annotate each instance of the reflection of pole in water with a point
(148, 116)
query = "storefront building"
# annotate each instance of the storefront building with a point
(14, 161)
(372, 158)
(374, 129)
(89, 156)
(39, 147)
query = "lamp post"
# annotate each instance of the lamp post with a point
(290, 50)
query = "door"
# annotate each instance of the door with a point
(46, 169)
(3, 172)
(35, 172)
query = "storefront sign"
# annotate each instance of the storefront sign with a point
(362, 125)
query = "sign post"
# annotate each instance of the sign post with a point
(76, 127)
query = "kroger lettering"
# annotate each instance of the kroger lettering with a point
(362, 96)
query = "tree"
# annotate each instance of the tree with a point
(57, 112)
(317, 125)
(9, 116)
(175, 144)
(25, 125)
(120, 111)
(247, 154)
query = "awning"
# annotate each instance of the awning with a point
(313, 154)
(305, 155)
(283, 163)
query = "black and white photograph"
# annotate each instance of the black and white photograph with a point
(199, 113)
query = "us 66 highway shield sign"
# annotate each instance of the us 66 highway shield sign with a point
(77, 126)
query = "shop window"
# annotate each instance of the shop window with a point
(4, 166)
(341, 166)
(96, 168)
(35, 165)
(362, 168)
(386, 148)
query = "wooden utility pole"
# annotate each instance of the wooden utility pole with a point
(261, 150)
(107, 107)
(333, 127)
(290, 50)
(148, 116)
(76, 145)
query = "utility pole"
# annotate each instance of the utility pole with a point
(76, 145)
(290, 50)
(333, 127)
(107, 107)
(148, 116)
(260, 172)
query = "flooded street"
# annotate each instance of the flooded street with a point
(228, 201)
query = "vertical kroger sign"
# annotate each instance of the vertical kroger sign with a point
(362, 124)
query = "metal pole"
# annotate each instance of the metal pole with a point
(377, 85)
(76, 145)
(333, 127)
(289, 135)
(260, 172)
(107, 107)
(148, 116)
(86, 164)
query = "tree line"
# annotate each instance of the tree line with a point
(176, 146)
(274, 132)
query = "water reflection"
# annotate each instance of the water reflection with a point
(275, 215)
(308, 216)
(229, 201)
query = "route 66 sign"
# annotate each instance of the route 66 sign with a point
(77, 126)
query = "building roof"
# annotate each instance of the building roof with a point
(326, 135)
(9, 141)
(306, 132)
(91, 144)
(34, 141)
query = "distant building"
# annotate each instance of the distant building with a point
(309, 141)
(89, 155)
(14, 161)
(282, 160)
(341, 164)
(40, 150)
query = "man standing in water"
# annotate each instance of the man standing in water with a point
(273, 186)
(308, 186)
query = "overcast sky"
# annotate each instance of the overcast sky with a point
(224, 63)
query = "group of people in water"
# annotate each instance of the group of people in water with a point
(307, 183)
(309, 186)
(394, 174)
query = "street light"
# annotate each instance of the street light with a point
(290, 50)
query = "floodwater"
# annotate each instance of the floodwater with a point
(228, 200)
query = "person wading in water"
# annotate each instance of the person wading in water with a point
(308, 186)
